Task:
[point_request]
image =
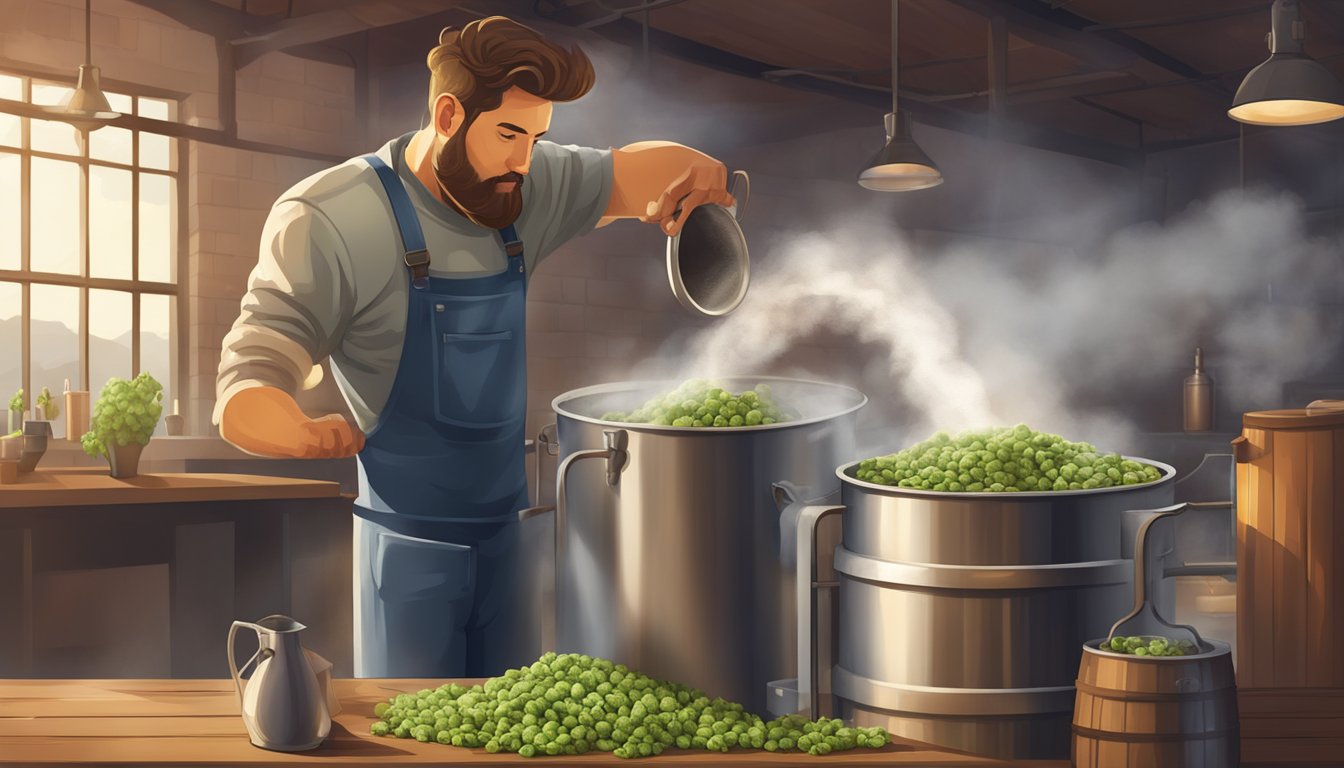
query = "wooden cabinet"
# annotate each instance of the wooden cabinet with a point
(101, 577)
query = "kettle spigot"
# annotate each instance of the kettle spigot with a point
(615, 441)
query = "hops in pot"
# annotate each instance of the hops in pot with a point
(1004, 460)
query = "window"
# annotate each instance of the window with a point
(89, 279)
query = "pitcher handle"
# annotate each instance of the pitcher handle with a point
(233, 663)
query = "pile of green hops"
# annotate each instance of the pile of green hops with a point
(1150, 646)
(572, 704)
(703, 403)
(1004, 460)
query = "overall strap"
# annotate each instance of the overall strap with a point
(513, 247)
(408, 224)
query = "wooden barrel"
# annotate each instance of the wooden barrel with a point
(1290, 550)
(1146, 711)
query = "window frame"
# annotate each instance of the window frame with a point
(25, 277)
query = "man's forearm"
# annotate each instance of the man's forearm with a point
(642, 171)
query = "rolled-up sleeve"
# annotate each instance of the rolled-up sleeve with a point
(299, 299)
(570, 190)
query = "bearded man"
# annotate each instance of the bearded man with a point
(408, 268)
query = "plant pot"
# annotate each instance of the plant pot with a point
(15, 421)
(172, 424)
(124, 459)
(35, 436)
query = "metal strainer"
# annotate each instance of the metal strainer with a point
(707, 262)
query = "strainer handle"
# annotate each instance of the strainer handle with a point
(740, 200)
(1141, 601)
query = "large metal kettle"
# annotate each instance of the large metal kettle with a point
(284, 708)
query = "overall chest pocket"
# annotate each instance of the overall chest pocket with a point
(479, 361)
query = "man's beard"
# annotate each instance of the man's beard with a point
(466, 193)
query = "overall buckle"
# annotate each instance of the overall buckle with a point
(418, 263)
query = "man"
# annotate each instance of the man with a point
(409, 270)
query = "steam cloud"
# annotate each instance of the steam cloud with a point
(977, 335)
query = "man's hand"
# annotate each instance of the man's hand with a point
(661, 183)
(266, 421)
(704, 182)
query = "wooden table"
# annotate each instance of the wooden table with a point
(197, 722)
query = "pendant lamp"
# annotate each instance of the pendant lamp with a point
(1290, 87)
(901, 165)
(87, 108)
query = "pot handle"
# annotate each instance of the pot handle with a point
(617, 456)
(809, 517)
(545, 443)
(1141, 602)
(234, 670)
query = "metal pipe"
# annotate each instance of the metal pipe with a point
(895, 37)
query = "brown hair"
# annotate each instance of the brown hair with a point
(481, 61)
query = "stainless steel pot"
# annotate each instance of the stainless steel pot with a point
(668, 550)
(962, 615)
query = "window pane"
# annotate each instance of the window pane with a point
(156, 350)
(111, 144)
(119, 102)
(10, 88)
(109, 337)
(158, 236)
(10, 212)
(11, 342)
(55, 216)
(55, 337)
(157, 109)
(50, 135)
(156, 151)
(109, 223)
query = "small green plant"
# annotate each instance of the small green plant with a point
(48, 405)
(126, 413)
(18, 402)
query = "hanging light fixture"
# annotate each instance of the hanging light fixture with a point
(87, 108)
(1290, 87)
(901, 165)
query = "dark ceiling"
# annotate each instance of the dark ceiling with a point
(1101, 78)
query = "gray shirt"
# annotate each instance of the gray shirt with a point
(330, 281)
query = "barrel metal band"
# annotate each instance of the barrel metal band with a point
(1174, 697)
(1232, 734)
(929, 700)
(936, 575)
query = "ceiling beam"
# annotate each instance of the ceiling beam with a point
(629, 33)
(202, 16)
(331, 23)
(1065, 31)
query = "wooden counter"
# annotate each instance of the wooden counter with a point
(196, 722)
(89, 485)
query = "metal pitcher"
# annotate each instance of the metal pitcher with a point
(283, 706)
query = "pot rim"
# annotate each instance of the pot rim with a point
(843, 472)
(559, 402)
(1216, 648)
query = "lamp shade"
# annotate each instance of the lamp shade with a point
(901, 165)
(1288, 89)
(87, 108)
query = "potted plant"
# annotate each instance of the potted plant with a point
(123, 421)
(47, 409)
(17, 405)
